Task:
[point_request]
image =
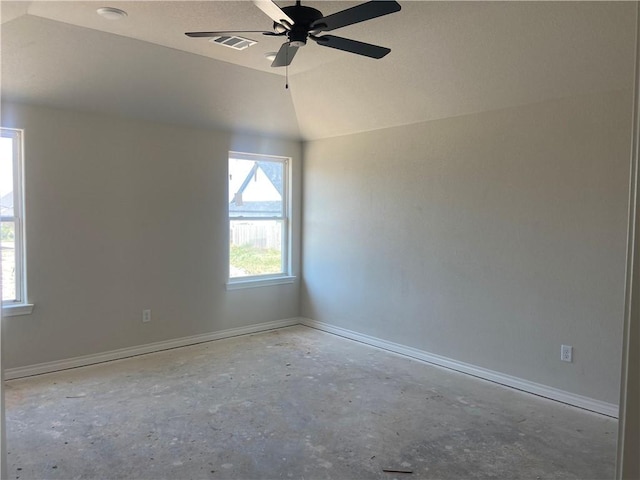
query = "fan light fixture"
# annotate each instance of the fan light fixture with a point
(111, 13)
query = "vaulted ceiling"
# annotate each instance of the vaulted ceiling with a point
(447, 59)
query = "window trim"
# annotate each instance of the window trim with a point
(284, 277)
(20, 305)
(260, 281)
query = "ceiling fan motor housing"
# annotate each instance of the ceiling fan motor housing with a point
(303, 17)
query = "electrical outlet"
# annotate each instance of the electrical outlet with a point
(566, 353)
(146, 316)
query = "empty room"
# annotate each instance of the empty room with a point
(324, 239)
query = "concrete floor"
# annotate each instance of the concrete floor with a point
(293, 403)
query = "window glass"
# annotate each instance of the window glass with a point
(256, 188)
(10, 231)
(258, 240)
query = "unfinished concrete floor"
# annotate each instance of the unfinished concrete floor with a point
(292, 403)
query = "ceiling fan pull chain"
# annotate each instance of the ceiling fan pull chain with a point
(286, 72)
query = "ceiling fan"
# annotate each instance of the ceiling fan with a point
(299, 23)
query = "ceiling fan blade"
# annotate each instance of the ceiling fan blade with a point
(359, 13)
(274, 12)
(230, 32)
(285, 55)
(352, 46)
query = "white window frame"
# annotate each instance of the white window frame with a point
(284, 277)
(19, 306)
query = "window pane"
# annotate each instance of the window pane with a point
(6, 177)
(256, 188)
(256, 247)
(8, 250)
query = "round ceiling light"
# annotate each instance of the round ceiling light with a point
(111, 13)
(271, 56)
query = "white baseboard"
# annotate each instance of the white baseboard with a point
(580, 401)
(49, 367)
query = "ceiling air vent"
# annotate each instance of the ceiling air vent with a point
(231, 41)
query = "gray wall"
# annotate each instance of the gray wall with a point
(490, 238)
(125, 215)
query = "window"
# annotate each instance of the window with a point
(12, 224)
(258, 219)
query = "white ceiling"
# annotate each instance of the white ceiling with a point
(447, 59)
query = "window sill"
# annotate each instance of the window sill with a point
(259, 282)
(17, 309)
